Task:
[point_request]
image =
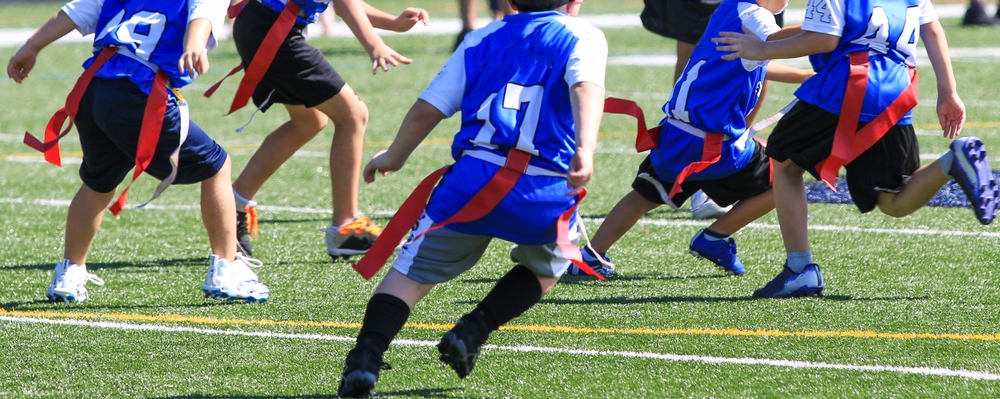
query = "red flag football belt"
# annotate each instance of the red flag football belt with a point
(149, 133)
(480, 205)
(262, 59)
(647, 139)
(848, 142)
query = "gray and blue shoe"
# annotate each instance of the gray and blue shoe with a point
(789, 284)
(971, 170)
(605, 268)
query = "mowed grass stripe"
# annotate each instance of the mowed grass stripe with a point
(732, 332)
(929, 371)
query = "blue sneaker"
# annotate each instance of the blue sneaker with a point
(790, 284)
(722, 252)
(591, 260)
(971, 170)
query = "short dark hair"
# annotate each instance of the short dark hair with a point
(538, 5)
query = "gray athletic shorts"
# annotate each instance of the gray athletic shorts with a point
(443, 254)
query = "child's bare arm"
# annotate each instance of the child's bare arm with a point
(402, 23)
(353, 14)
(950, 109)
(786, 32)
(195, 57)
(750, 47)
(783, 73)
(588, 108)
(23, 61)
(418, 123)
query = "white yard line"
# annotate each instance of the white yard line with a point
(795, 364)
(645, 222)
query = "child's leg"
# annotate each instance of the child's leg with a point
(86, 212)
(923, 185)
(791, 206)
(350, 118)
(218, 212)
(744, 212)
(621, 218)
(303, 124)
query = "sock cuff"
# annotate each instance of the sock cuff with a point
(242, 201)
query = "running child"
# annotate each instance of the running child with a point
(530, 89)
(855, 113)
(144, 51)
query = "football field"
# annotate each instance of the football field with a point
(911, 306)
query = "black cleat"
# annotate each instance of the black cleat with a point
(459, 347)
(361, 370)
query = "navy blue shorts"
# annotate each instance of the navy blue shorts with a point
(752, 180)
(109, 122)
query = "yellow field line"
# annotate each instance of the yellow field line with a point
(731, 332)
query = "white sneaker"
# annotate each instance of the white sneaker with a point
(703, 207)
(234, 280)
(70, 283)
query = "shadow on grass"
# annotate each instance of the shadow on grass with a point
(199, 261)
(618, 300)
(588, 280)
(45, 305)
(422, 393)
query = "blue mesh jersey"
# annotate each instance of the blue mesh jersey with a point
(715, 96)
(149, 33)
(512, 81)
(887, 29)
(310, 8)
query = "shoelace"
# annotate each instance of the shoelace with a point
(583, 232)
(94, 279)
(360, 225)
(253, 263)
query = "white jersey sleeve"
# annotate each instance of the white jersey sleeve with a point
(927, 12)
(84, 13)
(825, 16)
(446, 90)
(760, 22)
(212, 10)
(589, 59)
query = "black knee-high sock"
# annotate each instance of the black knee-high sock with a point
(384, 317)
(515, 293)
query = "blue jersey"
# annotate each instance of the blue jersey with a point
(512, 81)
(148, 33)
(714, 96)
(310, 8)
(887, 29)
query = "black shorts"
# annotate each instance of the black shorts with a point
(299, 74)
(683, 20)
(750, 181)
(109, 122)
(805, 135)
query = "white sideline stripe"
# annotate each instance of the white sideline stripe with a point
(929, 371)
(664, 223)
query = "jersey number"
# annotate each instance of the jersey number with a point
(877, 35)
(142, 31)
(680, 109)
(526, 103)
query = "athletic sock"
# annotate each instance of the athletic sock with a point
(797, 261)
(514, 294)
(713, 236)
(242, 201)
(945, 161)
(384, 317)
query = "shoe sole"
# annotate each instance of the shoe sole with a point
(799, 293)
(219, 296)
(357, 384)
(66, 297)
(728, 271)
(984, 195)
(455, 354)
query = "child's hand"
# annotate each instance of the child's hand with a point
(581, 170)
(951, 115)
(739, 45)
(21, 63)
(382, 56)
(193, 61)
(381, 163)
(410, 17)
